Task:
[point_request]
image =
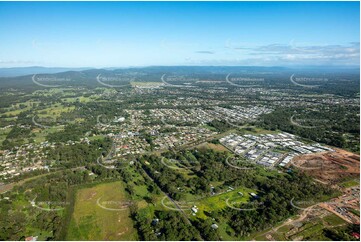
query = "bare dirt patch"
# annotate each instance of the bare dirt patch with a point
(329, 167)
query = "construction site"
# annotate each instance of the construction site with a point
(329, 167)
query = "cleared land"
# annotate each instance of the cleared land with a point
(216, 147)
(101, 213)
(329, 167)
(309, 225)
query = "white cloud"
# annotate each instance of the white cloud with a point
(294, 54)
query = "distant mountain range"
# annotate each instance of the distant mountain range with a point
(25, 71)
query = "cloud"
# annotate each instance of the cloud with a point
(292, 53)
(204, 52)
(17, 62)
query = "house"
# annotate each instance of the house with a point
(214, 226)
(31, 238)
(119, 120)
(355, 235)
(194, 209)
(254, 195)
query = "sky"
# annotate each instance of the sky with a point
(124, 34)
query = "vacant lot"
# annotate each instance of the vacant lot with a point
(101, 213)
(216, 147)
(329, 167)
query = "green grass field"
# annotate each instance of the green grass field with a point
(218, 202)
(80, 99)
(3, 134)
(333, 220)
(146, 84)
(40, 134)
(350, 183)
(54, 111)
(249, 129)
(108, 221)
(16, 109)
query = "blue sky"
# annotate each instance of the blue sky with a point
(120, 34)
